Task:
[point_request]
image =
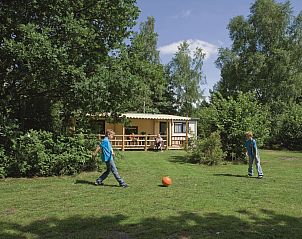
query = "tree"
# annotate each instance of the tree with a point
(50, 49)
(186, 77)
(144, 43)
(287, 128)
(232, 117)
(265, 57)
(144, 62)
(132, 78)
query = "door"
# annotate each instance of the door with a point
(163, 131)
(163, 128)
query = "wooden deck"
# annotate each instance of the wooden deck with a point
(142, 142)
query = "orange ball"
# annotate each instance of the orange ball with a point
(166, 181)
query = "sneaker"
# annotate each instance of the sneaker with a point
(250, 175)
(98, 183)
(125, 186)
(260, 176)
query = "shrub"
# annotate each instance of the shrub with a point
(207, 151)
(3, 163)
(207, 122)
(73, 154)
(40, 153)
(33, 154)
(232, 117)
(290, 128)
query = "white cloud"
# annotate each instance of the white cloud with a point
(183, 14)
(208, 48)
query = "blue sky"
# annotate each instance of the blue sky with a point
(202, 22)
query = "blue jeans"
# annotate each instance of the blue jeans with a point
(258, 166)
(110, 165)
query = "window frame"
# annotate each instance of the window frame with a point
(181, 126)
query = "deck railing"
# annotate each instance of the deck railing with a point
(141, 142)
(136, 142)
(179, 141)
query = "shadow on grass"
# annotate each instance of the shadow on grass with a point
(230, 175)
(162, 186)
(92, 183)
(186, 160)
(234, 175)
(266, 224)
(84, 182)
(180, 159)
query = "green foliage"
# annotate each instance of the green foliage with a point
(49, 50)
(8, 127)
(73, 155)
(40, 153)
(288, 128)
(32, 154)
(144, 63)
(207, 151)
(207, 118)
(185, 78)
(265, 57)
(132, 79)
(232, 117)
(3, 163)
(57, 123)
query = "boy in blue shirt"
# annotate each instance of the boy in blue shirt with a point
(252, 153)
(107, 155)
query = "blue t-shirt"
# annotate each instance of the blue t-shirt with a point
(251, 147)
(106, 148)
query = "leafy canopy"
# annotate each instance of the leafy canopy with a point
(265, 57)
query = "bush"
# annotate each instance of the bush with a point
(40, 153)
(32, 153)
(207, 122)
(290, 128)
(232, 117)
(286, 132)
(73, 154)
(207, 151)
(3, 163)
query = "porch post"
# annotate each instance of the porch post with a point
(168, 136)
(187, 130)
(123, 138)
(146, 143)
(171, 132)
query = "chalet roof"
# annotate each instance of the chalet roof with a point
(155, 116)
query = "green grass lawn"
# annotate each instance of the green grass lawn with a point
(203, 201)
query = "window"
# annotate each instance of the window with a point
(131, 129)
(179, 127)
(163, 128)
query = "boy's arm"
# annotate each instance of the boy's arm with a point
(254, 148)
(98, 148)
(246, 151)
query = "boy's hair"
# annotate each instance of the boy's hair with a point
(109, 131)
(249, 133)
